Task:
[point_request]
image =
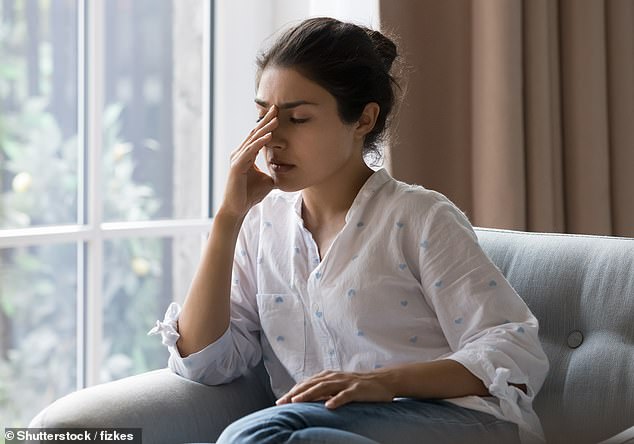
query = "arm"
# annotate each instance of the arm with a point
(490, 330)
(423, 380)
(206, 313)
(238, 348)
(437, 379)
(440, 379)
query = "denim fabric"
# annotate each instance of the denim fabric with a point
(402, 421)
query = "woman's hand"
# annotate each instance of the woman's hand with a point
(247, 184)
(444, 378)
(340, 388)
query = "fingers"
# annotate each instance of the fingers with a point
(246, 153)
(246, 158)
(266, 119)
(302, 386)
(343, 397)
(267, 128)
(320, 387)
(263, 131)
(254, 135)
(335, 393)
(338, 388)
(321, 390)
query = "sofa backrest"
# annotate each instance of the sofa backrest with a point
(581, 289)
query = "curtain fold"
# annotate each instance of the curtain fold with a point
(499, 184)
(620, 39)
(520, 111)
(433, 124)
(543, 148)
(585, 119)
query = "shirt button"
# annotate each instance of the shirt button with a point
(315, 308)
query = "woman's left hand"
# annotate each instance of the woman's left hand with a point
(340, 388)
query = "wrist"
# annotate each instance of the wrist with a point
(439, 379)
(227, 223)
(229, 217)
(388, 378)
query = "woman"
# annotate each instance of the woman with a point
(375, 311)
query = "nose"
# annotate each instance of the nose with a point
(277, 139)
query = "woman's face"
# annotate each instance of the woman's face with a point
(311, 144)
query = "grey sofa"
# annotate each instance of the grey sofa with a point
(581, 288)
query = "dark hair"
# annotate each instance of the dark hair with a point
(351, 62)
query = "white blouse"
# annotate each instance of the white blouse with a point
(404, 281)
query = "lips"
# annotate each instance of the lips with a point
(279, 166)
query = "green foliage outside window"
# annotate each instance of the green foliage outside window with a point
(38, 284)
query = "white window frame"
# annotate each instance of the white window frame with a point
(90, 232)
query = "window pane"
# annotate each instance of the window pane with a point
(153, 126)
(38, 330)
(38, 113)
(143, 275)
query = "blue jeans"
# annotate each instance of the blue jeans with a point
(402, 421)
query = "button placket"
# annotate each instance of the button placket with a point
(332, 358)
(323, 336)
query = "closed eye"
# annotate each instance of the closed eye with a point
(298, 121)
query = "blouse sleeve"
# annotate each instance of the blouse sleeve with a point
(489, 328)
(239, 347)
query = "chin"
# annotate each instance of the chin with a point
(287, 187)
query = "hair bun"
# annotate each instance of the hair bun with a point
(384, 47)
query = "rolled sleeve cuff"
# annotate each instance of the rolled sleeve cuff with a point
(168, 329)
(198, 366)
(515, 405)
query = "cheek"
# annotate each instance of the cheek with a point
(307, 134)
(340, 138)
(322, 140)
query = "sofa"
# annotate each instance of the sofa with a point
(581, 288)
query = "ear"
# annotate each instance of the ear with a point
(366, 122)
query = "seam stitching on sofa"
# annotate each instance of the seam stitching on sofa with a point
(520, 233)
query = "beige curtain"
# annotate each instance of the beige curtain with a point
(520, 111)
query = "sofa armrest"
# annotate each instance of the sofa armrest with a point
(168, 408)
(625, 437)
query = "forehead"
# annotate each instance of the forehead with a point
(281, 85)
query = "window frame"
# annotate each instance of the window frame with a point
(91, 232)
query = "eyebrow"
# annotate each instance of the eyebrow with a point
(287, 105)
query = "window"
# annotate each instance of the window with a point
(104, 187)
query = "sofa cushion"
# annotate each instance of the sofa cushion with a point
(581, 289)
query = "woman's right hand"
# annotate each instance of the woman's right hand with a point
(247, 184)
